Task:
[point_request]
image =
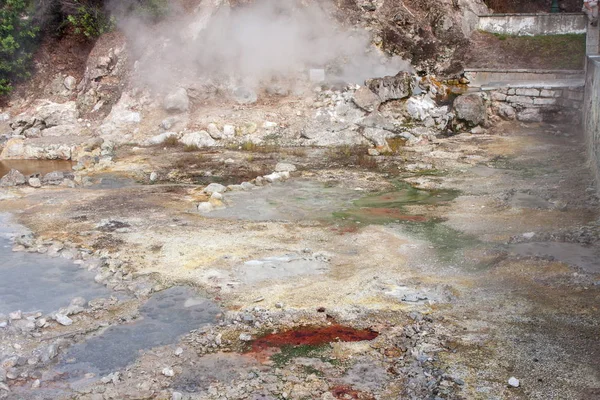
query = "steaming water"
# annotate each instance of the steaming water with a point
(164, 318)
(35, 282)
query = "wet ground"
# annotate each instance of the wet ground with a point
(346, 283)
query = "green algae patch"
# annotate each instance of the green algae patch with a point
(390, 207)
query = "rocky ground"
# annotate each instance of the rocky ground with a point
(483, 269)
(406, 237)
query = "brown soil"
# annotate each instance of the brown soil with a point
(487, 50)
(67, 54)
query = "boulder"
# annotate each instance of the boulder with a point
(54, 114)
(365, 99)
(13, 178)
(215, 188)
(470, 108)
(392, 87)
(214, 131)
(34, 182)
(198, 139)
(177, 101)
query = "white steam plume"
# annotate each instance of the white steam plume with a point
(255, 44)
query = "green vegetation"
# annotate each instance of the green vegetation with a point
(552, 51)
(24, 22)
(17, 41)
(90, 20)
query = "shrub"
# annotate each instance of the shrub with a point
(17, 41)
(87, 18)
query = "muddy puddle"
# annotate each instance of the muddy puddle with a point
(163, 319)
(30, 167)
(293, 200)
(35, 282)
(586, 258)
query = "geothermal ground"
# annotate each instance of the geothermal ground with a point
(439, 271)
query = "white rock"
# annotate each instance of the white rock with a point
(40, 323)
(63, 320)
(153, 176)
(70, 83)
(245, 337)
(285, 175)
(178, 351)
(168, 371)
(269, 125)
(35, 182)
(216, 196)
(36, 384)
(198, 139)
(514, 382)
(247, 186)
(15, 315)
(176, 396)
(281, 167)
(214, 131)
(215, 188)
(529, 235)
(205, 207)
(228, 131)
(274, 177)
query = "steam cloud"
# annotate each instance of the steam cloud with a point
(254, 45)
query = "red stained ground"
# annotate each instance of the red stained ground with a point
(313, 336)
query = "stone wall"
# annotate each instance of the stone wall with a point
(533, 24)
(486, 76)
(537, 104)
(591, 115)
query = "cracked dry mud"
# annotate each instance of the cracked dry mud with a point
(440, 283)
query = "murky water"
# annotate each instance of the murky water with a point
(163, 319)
(30, 167)
(586, 258)
(294, 200)
(36, 282)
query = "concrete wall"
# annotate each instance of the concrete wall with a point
(591, 115)
(533, 24)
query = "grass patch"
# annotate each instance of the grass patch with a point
(255, 148)
(553, 51)
(170, 141)
(352, 156)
